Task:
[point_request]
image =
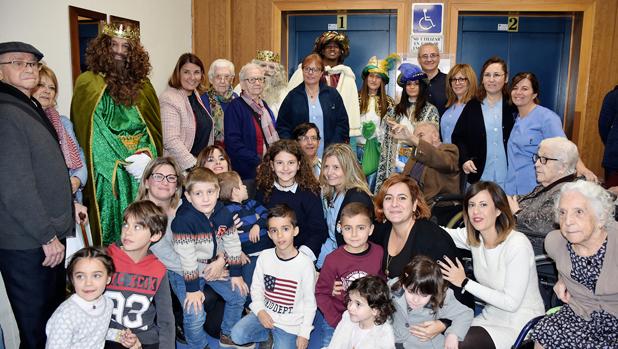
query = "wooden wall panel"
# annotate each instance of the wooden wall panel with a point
(212, 29)
(235, 29)
(252, 29)
(603, 76)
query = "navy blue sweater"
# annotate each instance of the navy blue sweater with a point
(251, 212)
(309, 214)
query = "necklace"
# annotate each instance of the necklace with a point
(312, 94)
(389, 258)
(286, 186)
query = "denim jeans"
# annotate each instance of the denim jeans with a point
(234, 304)
(247, 275)
(193, 323)
(322, 332)
(250, 330)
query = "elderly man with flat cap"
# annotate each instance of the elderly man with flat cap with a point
(36, 211)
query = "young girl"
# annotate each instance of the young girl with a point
(364, 324)
(421, 294)
(82, 321)
(285, 177)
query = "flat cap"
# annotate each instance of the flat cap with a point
(18, 46)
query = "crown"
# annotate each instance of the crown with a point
(268, 56)
(119, 30)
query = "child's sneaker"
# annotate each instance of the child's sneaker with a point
(227, 342)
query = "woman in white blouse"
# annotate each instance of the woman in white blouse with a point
(504, 268)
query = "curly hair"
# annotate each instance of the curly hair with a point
(265, 178)
(378, 297)
(123, 82)
(423, 275)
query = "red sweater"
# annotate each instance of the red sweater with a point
(346, 267)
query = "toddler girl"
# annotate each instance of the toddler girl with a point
(82, 321)
(421, 294)
(365, 323)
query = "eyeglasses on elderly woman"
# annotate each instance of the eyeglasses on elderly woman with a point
(543, 159)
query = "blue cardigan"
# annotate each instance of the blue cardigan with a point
(295, 110)
(239, 133)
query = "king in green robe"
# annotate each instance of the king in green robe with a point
(110, 132)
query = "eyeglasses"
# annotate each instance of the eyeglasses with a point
(426, 57)
(494, 75)
(223, 77)
(308, 138)
(254, 80)
(21, 65)
(159, 177)
(543, 159)
(458, 80)
(311, 70)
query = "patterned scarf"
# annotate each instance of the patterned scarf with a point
(70, 149)
(265, 121)
(216, 111)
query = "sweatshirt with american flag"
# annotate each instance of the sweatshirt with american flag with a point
(285, 289)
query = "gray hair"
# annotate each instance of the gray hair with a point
(219, 63)
(432, 124)
(599, 199)
(246, 68)
(565, 150)
(427, 44)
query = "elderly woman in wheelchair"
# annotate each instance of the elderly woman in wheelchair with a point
(555, 163)
(585, 250)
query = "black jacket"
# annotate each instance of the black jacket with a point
(471, 138)
(35, 195)
(295, 110)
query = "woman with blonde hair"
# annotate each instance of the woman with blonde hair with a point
(46, 92)
(461, 88)
(342, 182)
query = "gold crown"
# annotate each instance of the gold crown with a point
(119, 30)
(268, 56)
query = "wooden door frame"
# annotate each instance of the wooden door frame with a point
(586, 7)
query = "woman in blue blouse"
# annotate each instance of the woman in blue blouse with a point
(461, 88)
(534, 123)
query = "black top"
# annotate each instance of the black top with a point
(426, 238)
(470, 136)
(203, 126)
(437, 92)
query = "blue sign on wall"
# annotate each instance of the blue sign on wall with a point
(427, 18)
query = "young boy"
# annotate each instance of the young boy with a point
(201, 225)
(139, 286)
(253, 232)
(357, 258)
(283, 300)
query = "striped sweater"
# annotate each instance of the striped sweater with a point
(197, 238)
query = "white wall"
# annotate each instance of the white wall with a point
(165, 33)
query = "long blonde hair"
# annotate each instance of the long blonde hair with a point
(354, 176)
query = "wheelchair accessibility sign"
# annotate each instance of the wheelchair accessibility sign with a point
(427, 18)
